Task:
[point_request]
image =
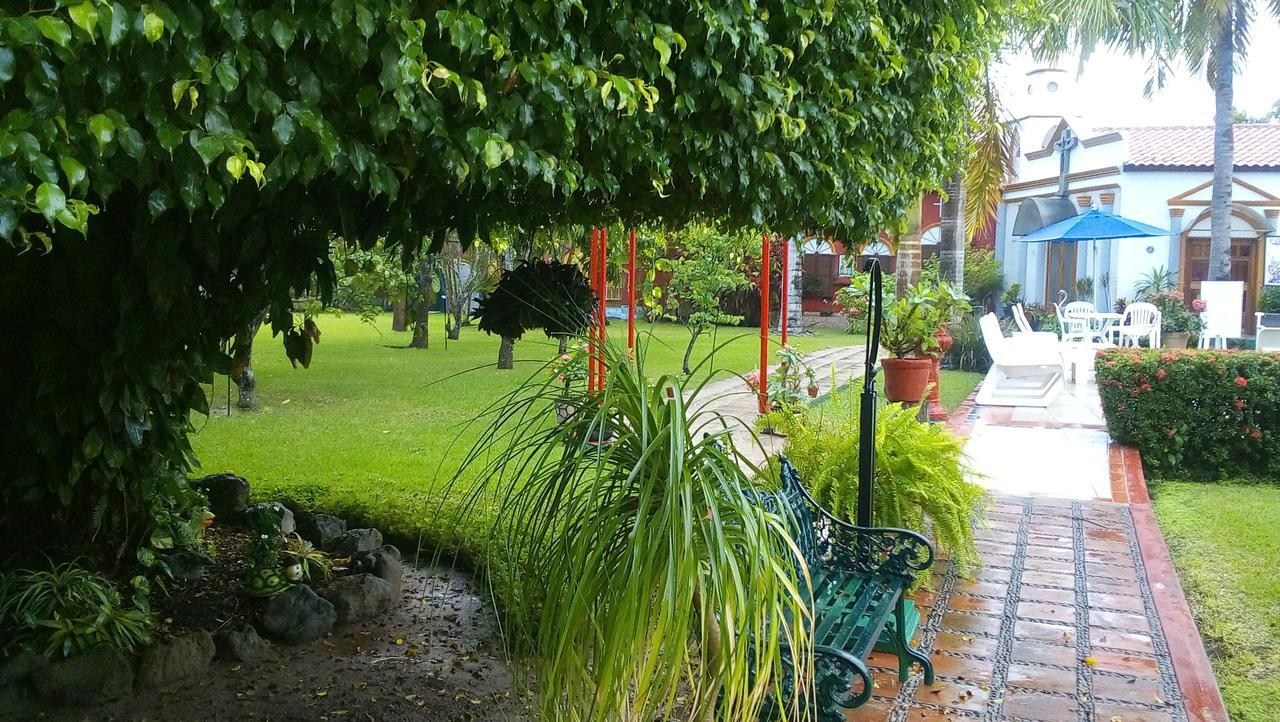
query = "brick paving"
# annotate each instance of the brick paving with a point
(1059, 623)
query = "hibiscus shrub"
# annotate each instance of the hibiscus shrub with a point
(1194, 414)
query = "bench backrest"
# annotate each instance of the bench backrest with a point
(792, 501)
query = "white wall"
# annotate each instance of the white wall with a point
(1139, 195)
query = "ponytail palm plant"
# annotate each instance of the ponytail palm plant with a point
(641, 577)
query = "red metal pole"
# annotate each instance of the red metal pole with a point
(631, 292)
(764, 325)
(591, 337)
(786, 287)
(604, 283)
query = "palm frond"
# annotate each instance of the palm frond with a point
(990, 161)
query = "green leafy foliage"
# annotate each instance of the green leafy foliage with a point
(909, 320)
(315, 564)
(920, 479)
(656, 537)
(68, 609)
(705, 264)
(1194, 414)
(983, 275)
(210, 151)
(549, 295)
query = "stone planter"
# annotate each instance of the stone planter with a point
(1174, 339)
(905, 379)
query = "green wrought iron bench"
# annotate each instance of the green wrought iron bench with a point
(860, 576)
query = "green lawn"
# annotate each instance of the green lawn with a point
(375, 430)
(1225, 540)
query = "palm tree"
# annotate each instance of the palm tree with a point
(1048, 28)
(1214, 34)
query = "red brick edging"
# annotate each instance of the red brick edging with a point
(1191, 665)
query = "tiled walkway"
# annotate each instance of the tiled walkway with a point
(1059, 623)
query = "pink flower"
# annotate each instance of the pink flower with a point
(1160, 374)
(1197, 305)
(1242, 381)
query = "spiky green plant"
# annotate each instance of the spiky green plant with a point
(640, 575)
(68, 609)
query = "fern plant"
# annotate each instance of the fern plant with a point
(920, 479)
(68, 609)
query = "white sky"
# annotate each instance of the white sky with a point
(1109, 91)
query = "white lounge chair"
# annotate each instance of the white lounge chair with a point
(1024, 371)
(1141, 320)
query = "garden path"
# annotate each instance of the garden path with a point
(730, 398)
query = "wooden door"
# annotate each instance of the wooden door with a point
(1245, 266)
(1060, 270)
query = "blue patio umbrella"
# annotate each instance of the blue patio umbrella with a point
(1092, 226)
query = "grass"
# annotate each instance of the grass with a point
(374, 430)
(956, 387)
(1225, 541)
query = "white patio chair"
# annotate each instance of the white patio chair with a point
(1024, 371)
(1141, 320)
(1073, 330)
(1268, 331)
(1080, 313)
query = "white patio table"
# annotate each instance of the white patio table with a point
(1105, 324)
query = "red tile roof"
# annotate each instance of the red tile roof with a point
(1257, 145)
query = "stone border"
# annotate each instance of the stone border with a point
(1195, 675)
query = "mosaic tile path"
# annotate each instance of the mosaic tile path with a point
(1059, 623)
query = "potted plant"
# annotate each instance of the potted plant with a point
(1178, 319)
(906, 334)
(949, 304)
(785, 381)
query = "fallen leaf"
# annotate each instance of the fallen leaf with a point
(322, 692)
(1091, 662)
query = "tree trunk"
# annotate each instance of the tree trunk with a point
(908, 256)
(1223, 149)
(954, 237)
(507, 350)
(242, 362)
(507, 353)
(456, 297)
(421, 332)
(688, 351)
(398, 322)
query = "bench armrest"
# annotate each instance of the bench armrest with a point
(880, 551)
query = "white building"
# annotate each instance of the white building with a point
(1159, 175)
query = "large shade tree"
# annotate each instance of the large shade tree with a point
(169, 170)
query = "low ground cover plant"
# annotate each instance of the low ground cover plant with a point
(1194, 414)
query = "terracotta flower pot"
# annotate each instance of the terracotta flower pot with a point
(906, 378)
(1175, 339)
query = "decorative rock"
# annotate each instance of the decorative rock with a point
(187, 565)
(384, 563)
(85, 680)
(20, 666)
(321, 529)
(287, 523)
(360, 597)
(175, 659)
(228, 494)
(243, 645)
(298, 615)
(356, 541)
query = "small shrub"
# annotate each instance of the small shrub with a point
(968, 349)
(1194, 414)
(920, 471)
(68, 609)
(983, 275)
(1270, 299)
